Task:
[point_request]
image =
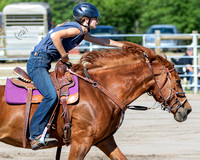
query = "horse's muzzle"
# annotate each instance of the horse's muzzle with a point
(181, 114)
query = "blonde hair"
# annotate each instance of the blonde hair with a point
(68, 20)
(58, 25)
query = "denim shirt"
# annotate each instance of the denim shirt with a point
(46, 44)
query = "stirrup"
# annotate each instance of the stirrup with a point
(48, 142)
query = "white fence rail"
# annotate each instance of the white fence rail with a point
(158, 45)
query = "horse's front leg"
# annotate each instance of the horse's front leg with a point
(109, 147)
(82, 137)
(79, 148)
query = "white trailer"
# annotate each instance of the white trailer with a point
(23, 24)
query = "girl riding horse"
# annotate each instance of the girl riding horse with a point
(55, 45)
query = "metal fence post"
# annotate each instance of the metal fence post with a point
(91, 47)
(143, 40)
(195, 59)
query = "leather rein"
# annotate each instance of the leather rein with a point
(120, 104)
(164, 104)
(102, 89)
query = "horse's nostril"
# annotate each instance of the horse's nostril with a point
(188, 111)
(180, 114)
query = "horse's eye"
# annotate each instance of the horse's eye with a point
(178, 81)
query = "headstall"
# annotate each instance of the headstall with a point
(164, 104)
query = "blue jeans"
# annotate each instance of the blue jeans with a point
(191, 80)
(37, 68)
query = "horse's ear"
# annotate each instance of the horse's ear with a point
(161, 53)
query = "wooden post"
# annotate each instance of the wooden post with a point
(157, 41)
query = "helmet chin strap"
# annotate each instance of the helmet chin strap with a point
(88, 26)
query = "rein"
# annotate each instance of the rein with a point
(102, 89)
(119, 103)
(164, 104)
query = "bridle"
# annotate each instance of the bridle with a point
(172, 93)
(164, 104)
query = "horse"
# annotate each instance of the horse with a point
(126, 74)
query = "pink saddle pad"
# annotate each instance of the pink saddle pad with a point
(18, 95)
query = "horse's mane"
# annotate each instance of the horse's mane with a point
(129, 54)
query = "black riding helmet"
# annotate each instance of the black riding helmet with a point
(85, 10)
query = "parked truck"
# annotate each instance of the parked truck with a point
(164, 29)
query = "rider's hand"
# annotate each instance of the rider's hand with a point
(64, 59)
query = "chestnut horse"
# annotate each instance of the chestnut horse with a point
(127, 74)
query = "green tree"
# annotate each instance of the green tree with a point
(131, 16)
(120, 13)
(185, 14)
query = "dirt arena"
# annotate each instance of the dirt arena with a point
(144, 135)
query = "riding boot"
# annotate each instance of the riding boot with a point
(48, 142)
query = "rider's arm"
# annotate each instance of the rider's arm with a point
(102, 41)
(66, 33)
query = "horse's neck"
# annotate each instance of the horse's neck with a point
(126, 83)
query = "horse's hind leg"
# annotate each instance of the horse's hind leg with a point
(109, 147)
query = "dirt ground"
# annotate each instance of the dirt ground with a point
(144, 135)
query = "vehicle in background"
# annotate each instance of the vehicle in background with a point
(164, 29)
(20, 22)
(100, 31)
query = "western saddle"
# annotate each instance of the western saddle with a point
(62, 81)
